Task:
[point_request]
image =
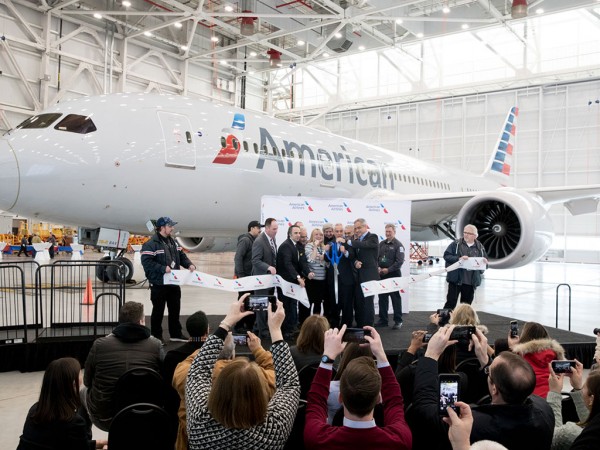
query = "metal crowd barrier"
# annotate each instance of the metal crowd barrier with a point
(13, 305)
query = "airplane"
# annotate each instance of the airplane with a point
(117, 161)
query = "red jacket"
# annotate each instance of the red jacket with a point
(538, 353)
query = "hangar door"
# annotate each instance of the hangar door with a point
(179, 145)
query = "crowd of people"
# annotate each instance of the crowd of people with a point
(503, 399)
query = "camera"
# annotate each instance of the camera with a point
(260, 302)
(514, 328)
(449, 392)
(462, 333)
(355, 335)
(427, 337)
(562, 366)
(444, 316)
(240, 339)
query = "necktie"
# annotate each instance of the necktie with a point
(273, 248)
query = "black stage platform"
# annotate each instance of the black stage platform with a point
(54, 344)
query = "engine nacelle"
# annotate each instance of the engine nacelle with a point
(208, 244)
(513, 226)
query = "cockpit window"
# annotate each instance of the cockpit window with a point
(39, 121)
(75, 123)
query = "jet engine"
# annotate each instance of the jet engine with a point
(513, 226)
(208, 244)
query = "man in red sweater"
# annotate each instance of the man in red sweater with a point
(363, 384)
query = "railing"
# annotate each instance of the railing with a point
(557, 290)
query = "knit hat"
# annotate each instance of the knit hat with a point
(197, 324)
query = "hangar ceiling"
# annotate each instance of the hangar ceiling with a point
(262, 35)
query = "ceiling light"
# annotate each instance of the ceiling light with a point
(126, 4)
(228, 8)
(177, 25)
(446, 10)
(420, 35)
(518, 9)
(184, 47)
(539, 11)
(98, 16)
(223, 62)
(300, 42)
(361, 47)
(399, 21)
(325, 55)
(247, 25)
(274, 58)
(214, 39)
(252, 54)
(465, 26)
(338, 35)
(147, 34)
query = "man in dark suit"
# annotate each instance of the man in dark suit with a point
(293, 268)
(345, 282)
(264, 257)
(365, 251)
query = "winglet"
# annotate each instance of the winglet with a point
(500, 163)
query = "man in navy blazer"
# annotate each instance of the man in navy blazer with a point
(365, 252)
(292, 267)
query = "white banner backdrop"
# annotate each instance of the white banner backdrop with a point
(315, 212)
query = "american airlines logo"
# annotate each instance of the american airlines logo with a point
(291, 157)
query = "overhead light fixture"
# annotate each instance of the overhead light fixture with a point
(465, 26)
(361, 47)
(539, 11)
(177, 25)
(97, 15)
(274, 58)
(247, 25)
(338, 35)
(184, 47)
(147, 34)
(126, 4)
(214, 39)
(325, 55)
(518, 9)
(446, 10)
(399, 21)
(252, 54)
(228, 8)
(420, 35)
(300, 42)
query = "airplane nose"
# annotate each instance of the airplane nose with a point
(9, 176)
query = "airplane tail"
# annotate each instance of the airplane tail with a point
(500, 163)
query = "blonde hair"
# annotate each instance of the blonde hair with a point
(238, 398)
(464, 314)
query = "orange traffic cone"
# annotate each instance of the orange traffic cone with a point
(88, 295)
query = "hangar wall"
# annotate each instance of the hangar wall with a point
(44, 59)
(557, 143)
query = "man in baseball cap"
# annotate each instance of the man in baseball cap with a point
(162, 254)
(255, 224)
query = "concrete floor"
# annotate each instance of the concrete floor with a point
(527, 293)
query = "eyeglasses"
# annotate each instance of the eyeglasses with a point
(486, 370)
(468, 232)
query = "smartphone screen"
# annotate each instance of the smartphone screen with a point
(563, 366)
(240, 339)
(514, 328)
(427, 337)
(355, 335)
(448, 392)
(259, 302)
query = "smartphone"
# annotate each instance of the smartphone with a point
(444, 316)
(260, 302)
(462, 333)
(563, 365)
(514, 328)
(355, 335)
(449, 392)
(427, 337)
(240, 339)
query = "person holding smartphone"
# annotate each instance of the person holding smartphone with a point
(515, 418)
(363, 384)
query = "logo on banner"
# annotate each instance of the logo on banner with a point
(383, 207)
(289, 224)
(308, 206)
(402, 227)
(347, 207)
(259, 282)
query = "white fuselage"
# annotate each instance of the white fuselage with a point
(154, 155)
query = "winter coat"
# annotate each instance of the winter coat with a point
(538, 353)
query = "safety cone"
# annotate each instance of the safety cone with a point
(88, 295)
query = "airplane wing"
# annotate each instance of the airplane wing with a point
(577, 199)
